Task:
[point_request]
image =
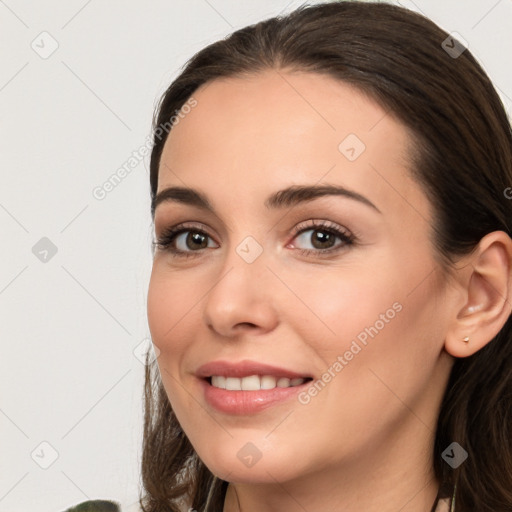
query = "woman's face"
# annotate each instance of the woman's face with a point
(261, 281)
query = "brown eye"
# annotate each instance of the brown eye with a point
(183, 241)
(321, 236)
(194, 240)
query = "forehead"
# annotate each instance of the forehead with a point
(290, 105)
(275, 128)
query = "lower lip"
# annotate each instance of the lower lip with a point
(247, 402)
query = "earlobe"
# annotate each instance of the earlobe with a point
(488, 293)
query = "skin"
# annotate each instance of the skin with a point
(364, 442)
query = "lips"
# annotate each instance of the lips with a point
(243, 402)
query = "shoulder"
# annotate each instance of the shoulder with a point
(95, 506)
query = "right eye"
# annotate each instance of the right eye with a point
(183, 241)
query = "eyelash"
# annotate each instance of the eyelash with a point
(165, 241)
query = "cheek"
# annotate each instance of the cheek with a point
(383, 331)
(159, 309)
(169, 307)
(341, 305)
(380, 318)
(167, 320)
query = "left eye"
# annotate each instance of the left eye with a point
(322, 239)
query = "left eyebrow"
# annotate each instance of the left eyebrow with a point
(281, 199)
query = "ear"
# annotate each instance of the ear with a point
(487, 289)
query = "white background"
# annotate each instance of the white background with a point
(69, 326)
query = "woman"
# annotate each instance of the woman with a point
(331, 287)
(331, 217)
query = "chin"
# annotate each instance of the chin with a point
(243, 461)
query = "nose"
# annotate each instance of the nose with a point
(240, 299)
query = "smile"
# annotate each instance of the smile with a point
(248, 387)
(254, 382)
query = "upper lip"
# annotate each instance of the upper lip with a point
(244, 369)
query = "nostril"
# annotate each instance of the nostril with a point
(246, 324)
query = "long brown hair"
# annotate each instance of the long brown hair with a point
(462, 157)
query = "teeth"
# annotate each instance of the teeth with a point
(254, 382)
(233, 384)
(251, 383)
(268, 382)
(219, 382)
(283, 383)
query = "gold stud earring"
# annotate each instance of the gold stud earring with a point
(465, 339)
